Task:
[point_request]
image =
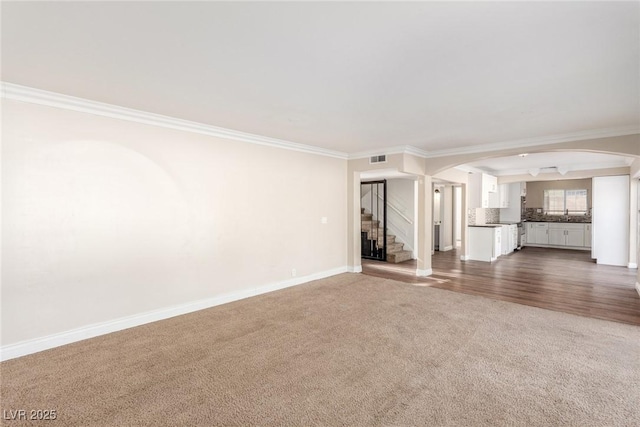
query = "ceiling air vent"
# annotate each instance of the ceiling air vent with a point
(378, 159)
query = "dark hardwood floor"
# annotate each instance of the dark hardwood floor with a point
(554, 279)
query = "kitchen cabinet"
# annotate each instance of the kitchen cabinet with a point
(483, 190)
(485, 242)
(500, 198)
(575, 237)
(562, 234)
(587, 235)
(559, 234)
(503, 195)
(538, 233)
(509, 238)
(515, 233)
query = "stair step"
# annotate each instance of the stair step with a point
(370, 225)
(394, 247)
(366, 217)
(391, 239)
(396, 257)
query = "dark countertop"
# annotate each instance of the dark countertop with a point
(487, 225)
(561, 222)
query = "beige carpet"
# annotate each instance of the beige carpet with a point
(349, 350)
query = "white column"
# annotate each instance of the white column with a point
(464, 247)
(354, 263)
(424, 224)
(633, 224)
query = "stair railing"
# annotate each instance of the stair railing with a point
(398, 211)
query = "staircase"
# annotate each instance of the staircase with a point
(395, 251)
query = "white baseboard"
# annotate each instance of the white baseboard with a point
(447, 248)
(24, 348)
(638, 287)
(464, 257)
(633, 265)
(354, 269)
(424, 273)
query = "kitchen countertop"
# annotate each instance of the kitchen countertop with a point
(486, 225)
(561, 222)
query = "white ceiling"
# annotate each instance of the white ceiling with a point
(343, 76)
(546, 162)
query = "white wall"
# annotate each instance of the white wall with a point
(104, 218)
(457, 215)
(446, 228)
(610, 227)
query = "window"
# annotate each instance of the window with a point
(565, 202)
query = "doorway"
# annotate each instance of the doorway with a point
(373, 222)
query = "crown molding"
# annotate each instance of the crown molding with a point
(505, 145)
(537, 141)
(51, 99)
(41, 97)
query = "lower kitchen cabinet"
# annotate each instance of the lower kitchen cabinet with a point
(537, 233)
(559, 234)
(587, 235)
(575, 237)
(485, 242)
(557, 237)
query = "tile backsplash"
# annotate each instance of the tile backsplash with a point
(532, 214)
(492, 215)
(477, 216)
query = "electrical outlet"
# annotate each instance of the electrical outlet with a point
(293, 272)
(323, 220)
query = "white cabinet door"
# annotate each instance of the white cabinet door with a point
(542, 233)
(493, 200)
(567, 235)
(489, 183)
(529, 233)
(557, 236)
(587, 235)
(497, 246)
(483, 191)
(475, 191)
(575, 237)
(503, 195)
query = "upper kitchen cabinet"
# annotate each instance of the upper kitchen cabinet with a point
(503, 195)
(483, 190)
